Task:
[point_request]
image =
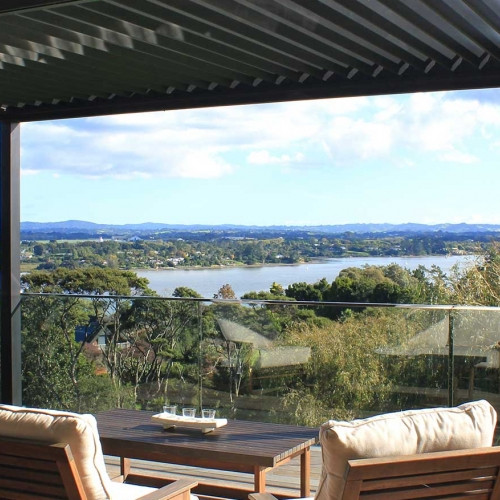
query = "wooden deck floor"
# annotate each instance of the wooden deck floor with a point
(284, 480)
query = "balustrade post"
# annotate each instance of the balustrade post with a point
(451, 359)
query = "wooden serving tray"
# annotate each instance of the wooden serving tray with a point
(204, 424)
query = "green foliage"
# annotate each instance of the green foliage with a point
(185, 292)
(380, 284)
(304, 292)
(277, 290)
(95, 281)
(347, 373)
(215, 248)
(480, 283)
(153, 351)
(56, 372)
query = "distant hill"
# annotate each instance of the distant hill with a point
(77, 228)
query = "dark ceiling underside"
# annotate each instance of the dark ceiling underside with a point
(88, 57)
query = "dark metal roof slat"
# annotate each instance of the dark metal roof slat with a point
(334, 15)
(462, 18)
(20, 52)
(398, 30)
(93, 59)
(121, 58)
(422, 17)
(17, 5)
(197, 47)
(30, 46)
(277, 33)
(170, 31)
(216, 38)
(94, 24)
(243, 31)
(138, 50)
(332, 43)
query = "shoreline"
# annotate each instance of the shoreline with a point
(314, 260)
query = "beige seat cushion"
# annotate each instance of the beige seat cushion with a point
(79, 431)
(470, 425)
(122, 491)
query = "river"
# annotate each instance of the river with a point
(246, 279)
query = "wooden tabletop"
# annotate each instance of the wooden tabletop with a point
(240, 444)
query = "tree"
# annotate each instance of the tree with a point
(277, 290)
(346, 374)
(225, 292)
(304, 292)
(158, 334)
(56, 371)
(185, 292)
(55, 320)
(478, 284)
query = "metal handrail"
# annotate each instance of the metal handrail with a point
(445, 307)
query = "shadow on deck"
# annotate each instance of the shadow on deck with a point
(283, 480)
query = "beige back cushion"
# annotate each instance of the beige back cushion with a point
(79, 431)
(470, 425)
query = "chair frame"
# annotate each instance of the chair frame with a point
(472, 473)
(31, 469)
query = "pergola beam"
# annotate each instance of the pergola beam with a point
(201, 98)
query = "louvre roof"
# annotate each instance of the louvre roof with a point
(89, 57)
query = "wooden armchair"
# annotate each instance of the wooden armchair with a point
(472, 474)
(31, 470)
(56, 454)
(432, 453)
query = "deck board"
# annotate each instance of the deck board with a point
(284, 480)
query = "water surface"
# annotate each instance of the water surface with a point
(246, 279)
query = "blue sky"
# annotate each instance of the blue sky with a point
(425, 158)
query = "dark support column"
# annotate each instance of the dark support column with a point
(10, 313)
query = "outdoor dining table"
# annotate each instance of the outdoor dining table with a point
(241, 446)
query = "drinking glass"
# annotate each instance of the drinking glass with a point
(189, 412)
(172, 409)
(208, 413)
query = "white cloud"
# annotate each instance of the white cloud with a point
(348, 139)
(201, 166)
(210, 143)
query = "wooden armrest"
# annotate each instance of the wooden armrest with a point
(261, 496)
(178, 490)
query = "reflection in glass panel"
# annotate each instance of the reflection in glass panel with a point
(300, 363)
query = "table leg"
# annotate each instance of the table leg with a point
(305, 473)
(124, 467)
(259, 479)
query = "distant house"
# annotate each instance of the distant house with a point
(92, 332)
(175, 260)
